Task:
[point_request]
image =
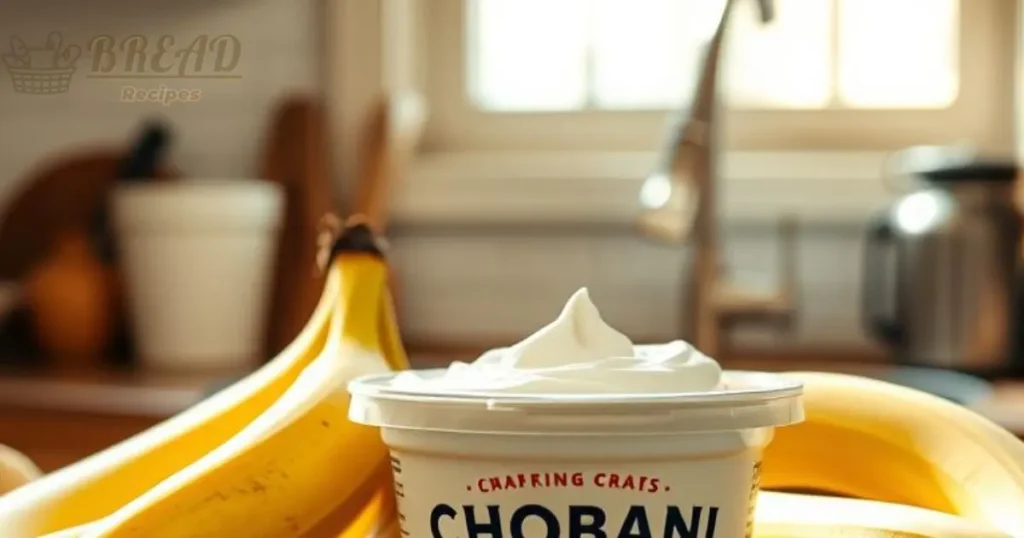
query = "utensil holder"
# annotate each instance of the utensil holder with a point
(198, 258)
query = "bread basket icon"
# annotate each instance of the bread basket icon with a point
(45, 70)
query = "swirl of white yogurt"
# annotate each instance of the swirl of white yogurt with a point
(577, 353)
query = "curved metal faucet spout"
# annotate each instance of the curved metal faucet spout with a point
(679, 204)
(682, 184)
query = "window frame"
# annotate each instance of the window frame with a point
(977, 113)
(473, 165)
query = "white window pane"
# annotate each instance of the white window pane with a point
(783, 64)
(646, 51)
(550, 55)
(528, 54)
(898, 53)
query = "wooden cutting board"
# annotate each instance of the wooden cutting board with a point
(296, 156)
(63, 193)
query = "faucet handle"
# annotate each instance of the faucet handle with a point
(788, 257)
(767, 8)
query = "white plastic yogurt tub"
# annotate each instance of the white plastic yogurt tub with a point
(580, 465)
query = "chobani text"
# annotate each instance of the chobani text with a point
(578, 521)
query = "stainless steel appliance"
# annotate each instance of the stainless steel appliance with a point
(942, 265)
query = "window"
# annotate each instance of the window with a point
(817, 99)
(611, 54)
(824, 74)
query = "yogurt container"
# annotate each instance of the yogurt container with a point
(575, 432)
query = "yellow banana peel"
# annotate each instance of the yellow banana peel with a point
(870, 439)
(74, 532)
(784, 515)
(300, 462)
(96, 486)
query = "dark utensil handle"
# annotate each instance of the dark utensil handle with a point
(886, 328)
(146, 154)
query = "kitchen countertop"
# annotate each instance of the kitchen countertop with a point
(105, 392)
(162, 395)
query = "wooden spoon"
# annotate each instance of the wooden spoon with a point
(392, 133)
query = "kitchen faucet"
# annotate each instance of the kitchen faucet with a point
(679, 204)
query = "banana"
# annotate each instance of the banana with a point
(74, 532)
(784, 515)
(870, 439)
(362, 517)
(98, 485)
(301, 462)
(16, 470)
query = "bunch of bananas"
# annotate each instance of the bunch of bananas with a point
(912, 460)
(273, 456)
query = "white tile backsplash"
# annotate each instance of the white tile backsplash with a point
(488, 288)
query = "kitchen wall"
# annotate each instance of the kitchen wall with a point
(458, 285)
(217, 135)
(496, 286)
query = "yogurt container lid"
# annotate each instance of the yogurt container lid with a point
(743, 400)
(579, 375)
